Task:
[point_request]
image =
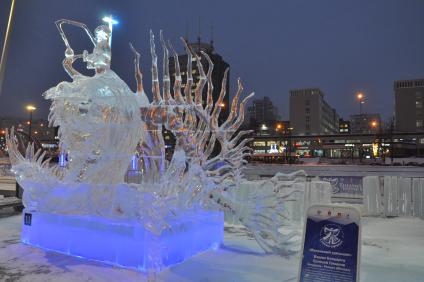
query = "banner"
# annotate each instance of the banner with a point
(348, 185)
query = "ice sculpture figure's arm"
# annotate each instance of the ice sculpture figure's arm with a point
(69, 53)
(67, 64)
(138, 74)
(59, 24)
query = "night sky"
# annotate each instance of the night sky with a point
(274, 46)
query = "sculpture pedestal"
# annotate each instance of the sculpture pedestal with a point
(122, 243)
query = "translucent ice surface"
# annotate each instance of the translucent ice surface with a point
(124, 243)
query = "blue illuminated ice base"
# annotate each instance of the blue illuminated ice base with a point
(125, 244)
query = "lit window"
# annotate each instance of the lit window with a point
(419, 123)
(259, 143)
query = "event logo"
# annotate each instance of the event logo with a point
(334, 182)
(331, 235)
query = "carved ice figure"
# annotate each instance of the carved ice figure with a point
(102, 123)
(98, 117)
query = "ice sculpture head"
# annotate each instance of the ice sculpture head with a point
(100, 58)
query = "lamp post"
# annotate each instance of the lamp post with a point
(374, 125)
(6, 42)
(30, 109)
(360, 97)
(289, 145)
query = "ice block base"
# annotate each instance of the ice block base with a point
(124, 244)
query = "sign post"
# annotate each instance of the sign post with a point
(331, 244)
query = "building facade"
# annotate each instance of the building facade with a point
(372, 147)
(310, 114)
(262, 111)
(276, 127)
(409, 110)
(344, 126)
(365, 123)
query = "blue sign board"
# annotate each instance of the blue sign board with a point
(351, 185)
(331, 245)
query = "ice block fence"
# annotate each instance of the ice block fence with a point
(389, 196)
(394, 196)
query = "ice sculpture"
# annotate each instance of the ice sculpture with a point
(176, 209)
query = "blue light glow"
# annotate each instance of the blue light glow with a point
(62, 159)
(134, 163)
(110, 20)
(122, 243)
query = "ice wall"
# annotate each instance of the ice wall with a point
(393, 196)
(372, 196)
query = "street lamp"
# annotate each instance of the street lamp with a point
(278, 127)
(360, 97)
(30, 109)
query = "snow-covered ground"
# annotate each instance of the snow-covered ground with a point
(392, 248)
(392, 251)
